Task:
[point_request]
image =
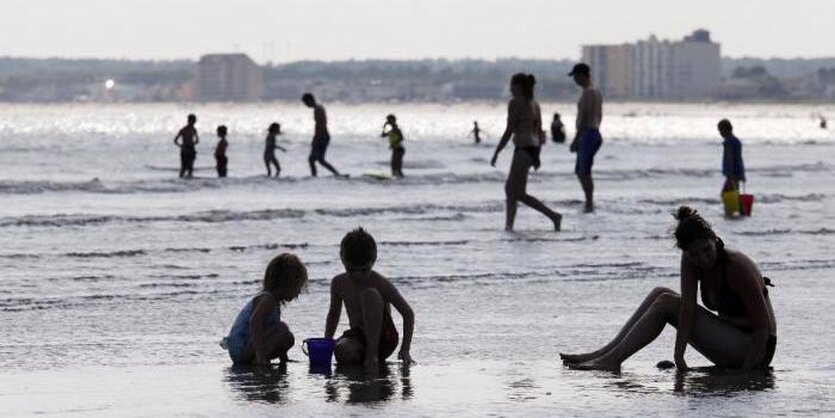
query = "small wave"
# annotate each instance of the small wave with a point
(424, 243)
(112, 254)
(772, 232)
(271, 246)
(215, 216)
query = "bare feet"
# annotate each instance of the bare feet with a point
(576, 358)
(596, 364)
(589, 208)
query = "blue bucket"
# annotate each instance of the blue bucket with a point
(318, 350)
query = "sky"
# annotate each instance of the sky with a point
(291, 30)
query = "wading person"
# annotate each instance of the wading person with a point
(587, 140)
(395, 136)
(188, 146)
(321, 136)
(524, 125)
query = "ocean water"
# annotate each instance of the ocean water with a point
(117, 279)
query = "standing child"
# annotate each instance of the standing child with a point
(269, 149)
(732, 166)
(367, 296)
(476, 132)
(188, 146)
(258, 335)
(396, 144)
(220, 151)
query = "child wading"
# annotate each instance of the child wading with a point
(395, 137)
(368, 298)
(258, 335)
(220, 151)
(269, 149)
(733, 167)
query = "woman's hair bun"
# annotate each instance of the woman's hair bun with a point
(685, 212)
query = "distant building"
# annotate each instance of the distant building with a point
(690, 68)
(228, 77)
(611, 67)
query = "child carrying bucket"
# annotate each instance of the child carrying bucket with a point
(368, 297)
(258, 335)
(733, 169)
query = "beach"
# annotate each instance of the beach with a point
(118, 279)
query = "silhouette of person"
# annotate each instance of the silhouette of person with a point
(557, 129)
(395, 137)
(587, 139)
(269, 149)
(188, 150)
(220, 151)
(321, 137)
(741, 335)
(823, 123)
(733, 167)
(476, 132)
(524, 124)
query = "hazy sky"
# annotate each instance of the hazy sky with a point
(288, 30)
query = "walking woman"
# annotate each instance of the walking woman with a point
(524, 125)
(742, 334)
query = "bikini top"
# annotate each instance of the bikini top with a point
(729, 302)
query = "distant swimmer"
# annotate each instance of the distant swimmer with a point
(587, 139)
(269, 149)
(188, 150)
(321, 137)
(524, 124)
(220, 151)
(557, 129)
(476, 132)
(395, 137)
(823, 123)
(736, 327)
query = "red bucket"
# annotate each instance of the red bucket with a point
(746, 203)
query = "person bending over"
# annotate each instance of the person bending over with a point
(368, 298)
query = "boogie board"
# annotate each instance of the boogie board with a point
(377, 175)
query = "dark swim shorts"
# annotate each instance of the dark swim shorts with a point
(588, 145)
(388, 337)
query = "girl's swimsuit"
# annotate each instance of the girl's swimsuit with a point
(239, 338)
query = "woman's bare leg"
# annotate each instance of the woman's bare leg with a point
(581, 358)
(720, 342)
(516, 190)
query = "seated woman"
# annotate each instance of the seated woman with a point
(742, 334)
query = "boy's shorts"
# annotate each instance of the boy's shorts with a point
(587, 146)
(388, 337)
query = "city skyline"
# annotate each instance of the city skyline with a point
(399, 29)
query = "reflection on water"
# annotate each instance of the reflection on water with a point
(723, 382)
(354, 384)
(266, 384)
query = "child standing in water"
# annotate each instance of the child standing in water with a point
(732, 166)
(367, 297)
(188, 150)
(258, 335)
(269, 149)
(395, 137)
(220, 151)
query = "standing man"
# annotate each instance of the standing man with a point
(321, 137)
(188, 146)
(587, 140)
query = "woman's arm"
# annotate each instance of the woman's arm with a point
(508, 132)
(687, 311)
(264, 306)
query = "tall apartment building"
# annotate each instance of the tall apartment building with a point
(228, 77)
(611, 67)
(689, 68)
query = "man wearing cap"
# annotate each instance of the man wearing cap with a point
(587, 139)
